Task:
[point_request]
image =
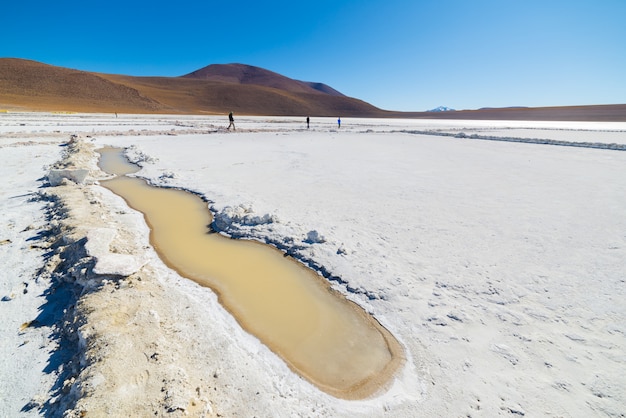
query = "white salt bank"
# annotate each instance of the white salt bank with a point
(498, 265)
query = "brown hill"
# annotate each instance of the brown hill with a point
(192, 95)
(32, 85)
(35, 86)
(218, 89)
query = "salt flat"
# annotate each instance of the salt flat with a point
(498, 265)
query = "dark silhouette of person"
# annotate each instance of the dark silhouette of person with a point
(232, 121)
(307, 122)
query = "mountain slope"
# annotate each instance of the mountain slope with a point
(38, 86)
(35, 86)
(190, 95)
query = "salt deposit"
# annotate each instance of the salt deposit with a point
(498, 265)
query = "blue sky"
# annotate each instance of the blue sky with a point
(395, 54)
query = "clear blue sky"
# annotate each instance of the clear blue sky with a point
(395, 54)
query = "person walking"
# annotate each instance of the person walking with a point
(232, 121)
(307, 122)
(339, 122)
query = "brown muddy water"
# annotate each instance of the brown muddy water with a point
(322, 336)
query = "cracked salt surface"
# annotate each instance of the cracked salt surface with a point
(523, 242)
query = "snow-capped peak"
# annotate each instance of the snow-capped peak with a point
(442, 109)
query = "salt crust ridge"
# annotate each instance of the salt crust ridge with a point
(542, 141)
(117, 324)
(133, 351)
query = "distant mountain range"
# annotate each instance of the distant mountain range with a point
(222, 88)
(441, 109)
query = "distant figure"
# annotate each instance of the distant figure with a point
(232, 121)
(339, 122)
(307, 122)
